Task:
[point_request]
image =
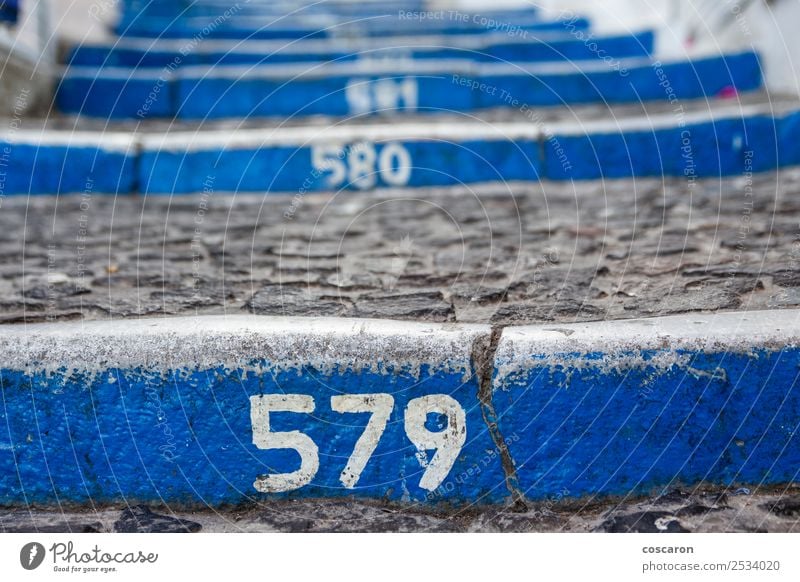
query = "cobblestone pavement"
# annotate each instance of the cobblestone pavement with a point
(678, 511)
(504, 253)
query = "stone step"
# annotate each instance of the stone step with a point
(282, 26)
(726, 141)
(361, 88)
(576, 114)
(225, 410)
(539, 47)
(372, 8)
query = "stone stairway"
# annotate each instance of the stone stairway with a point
(559, 267)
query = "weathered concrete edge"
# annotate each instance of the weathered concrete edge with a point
(248, 343)
(491, 354)
(635, 407)
(162, 344)
(528, 346)
(150, 163)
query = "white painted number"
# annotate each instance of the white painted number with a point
(381, 95)
(263, 438)
(395, 164)
(380, 405)
(362, 164)
(358, 96)
(447, 443)
(329, 158)
(361, 160)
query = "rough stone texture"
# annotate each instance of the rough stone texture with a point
(699, 510)
(575, 113)
(503, 254)
(141, 519)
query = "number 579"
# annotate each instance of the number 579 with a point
(447, 442)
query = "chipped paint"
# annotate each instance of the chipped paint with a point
(631, 407)
(214, 410)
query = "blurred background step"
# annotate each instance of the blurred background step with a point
(725, 140)
(576, 113)
(365, 157)
(488, 48)
(358, 88)
(294, 26)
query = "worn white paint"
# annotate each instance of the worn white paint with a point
(333, 142)
(234, 340)
(394, 68)
(107, 140)
(264, 438)
(447, 443)
(621, 342)
(450, 131)
(388, 67)
(360, 164)
(380, 408)
(363, 46)
(713, 112)
(332, 137)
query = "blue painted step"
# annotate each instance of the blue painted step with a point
(233, 409)
(729, 141)
(282, 27)
(487, 48)
(342, 89)
(37, 162)
(354, 158)
(230, 409)
(697, 148)
(423, 155)
(637, 407)
(9, 11)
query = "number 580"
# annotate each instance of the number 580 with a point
(447, 442)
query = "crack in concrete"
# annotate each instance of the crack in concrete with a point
(483, 357)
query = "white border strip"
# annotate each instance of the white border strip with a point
(715, 112)
(345, 44)
(302, 136)
(233, 340)
(730, 331)
(113, 141)
(468, 129)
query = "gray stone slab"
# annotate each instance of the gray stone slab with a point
(500, 254)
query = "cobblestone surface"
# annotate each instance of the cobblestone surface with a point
(678, 511)
(504, 253)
